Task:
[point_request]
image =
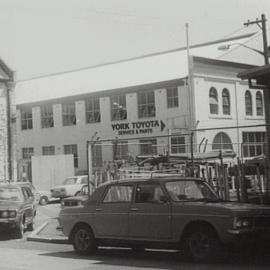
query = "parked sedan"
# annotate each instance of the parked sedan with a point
(71, 187)
(17, 208)
(162, 212)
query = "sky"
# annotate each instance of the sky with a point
(40, 37)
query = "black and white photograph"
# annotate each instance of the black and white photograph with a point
(134, 135)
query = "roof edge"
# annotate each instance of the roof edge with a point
(139, 57)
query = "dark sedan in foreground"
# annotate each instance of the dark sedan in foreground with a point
(162, 212)
(17, 208)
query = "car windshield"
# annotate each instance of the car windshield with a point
(10, 194)
(191, 191)
(70, 181)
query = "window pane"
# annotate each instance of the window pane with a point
(148, 194)
(69, 114)
(259, 104)
(118, 108)
(92, 107)
(26, 118)
(72, 149)
(146, 104)
(213, 100)
(248, 101)
(118, 194)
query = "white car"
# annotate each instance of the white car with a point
(71, 187)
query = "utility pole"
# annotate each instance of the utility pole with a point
(262, 24)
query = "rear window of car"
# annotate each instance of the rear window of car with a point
(10, 194)
(70, 181)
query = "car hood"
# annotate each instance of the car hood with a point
(9, 205)
(76, 198)
(63, 187)
(246, 207)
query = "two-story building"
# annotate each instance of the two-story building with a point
(149, 104)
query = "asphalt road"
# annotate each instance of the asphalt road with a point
(21, 254)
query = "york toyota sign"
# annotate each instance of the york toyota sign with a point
(139, 127)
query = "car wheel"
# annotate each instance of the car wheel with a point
(83, 240)
(20, 229)
(202, 244)
(30, 227)
(43, 200)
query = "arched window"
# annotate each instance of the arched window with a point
(213, 100)
(248, 101)
(226, 104)
(259, 103)
(222, 141)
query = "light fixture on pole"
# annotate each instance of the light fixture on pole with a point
(226, 47)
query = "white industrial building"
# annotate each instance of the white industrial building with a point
(145, 99)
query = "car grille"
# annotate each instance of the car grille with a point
(71, 203)
(262, 221)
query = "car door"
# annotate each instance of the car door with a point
(150, 213)
(111, 213)
(28, 204)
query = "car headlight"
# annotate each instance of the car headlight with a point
(242, 223)
(8, 214)
(12, 213)
(4, 214)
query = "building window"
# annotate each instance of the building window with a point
(248, 102)
(92, 108)
(121, 150)
(69, 114)
(27, 152)
(222, 141)
(226, 104)
(48, 150)
(172, 97)
(72, 149)
(253, 143)
(119, 109)
(213, 100)
(146, 104)
(46, 112)
(97, 161)
(178, 144)
(26, 118)
(259, 103)
(148, 147)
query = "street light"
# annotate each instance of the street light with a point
(228, 46)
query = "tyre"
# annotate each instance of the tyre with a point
(20, 229)
(83, 240)
(202, 244)
(43, 200)
(30, 227)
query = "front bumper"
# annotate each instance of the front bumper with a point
(8, 223)
(240, 237)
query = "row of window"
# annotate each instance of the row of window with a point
(28, 152)
(226, 102)
(120, 151)
(146, 108)
(253, 143)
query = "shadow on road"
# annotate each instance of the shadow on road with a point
(168, 259)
